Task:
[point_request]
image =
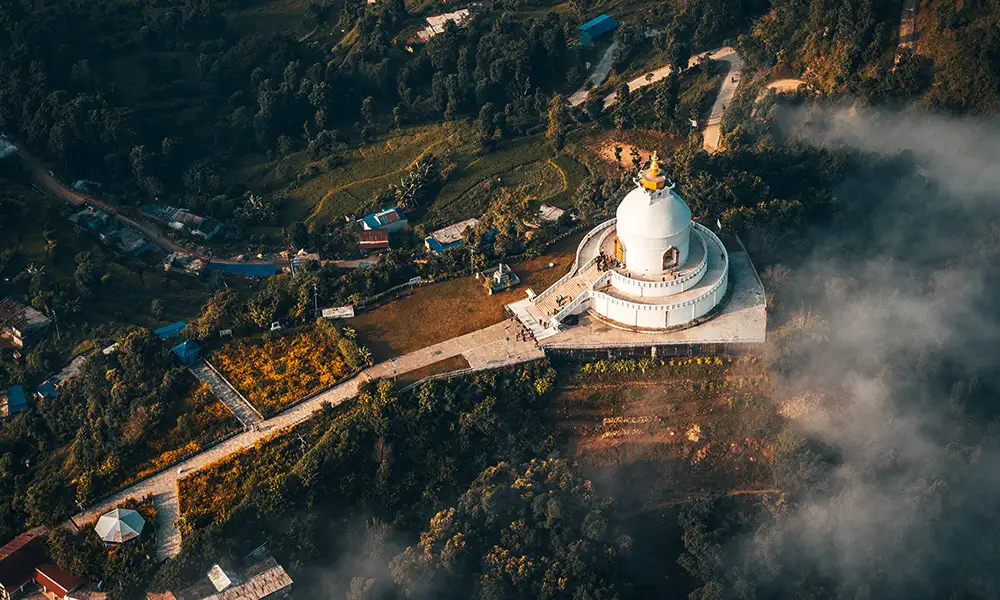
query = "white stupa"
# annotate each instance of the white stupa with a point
(653, 226)
(651, 268)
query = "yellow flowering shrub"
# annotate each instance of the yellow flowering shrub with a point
(274, 372)
(201, 419)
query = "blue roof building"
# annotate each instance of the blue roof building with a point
(595, 28)
(169, 331)
(47, 390)
(13, 402)
(390, 219)
(187, 352)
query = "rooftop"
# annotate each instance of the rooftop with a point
(169, 331)
(24, 318)
(6, 148)
(186, 349)
(13, 401)
(599, 25)
(437, 23)
(454, 232)
(71, 370)
(55, 579)
(382, 218)
(259, 581)
(245, 269)
(19, 558)
(550, 213)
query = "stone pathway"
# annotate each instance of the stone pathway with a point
(228, 395)
(484, 349)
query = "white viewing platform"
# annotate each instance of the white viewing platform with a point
(651, 276)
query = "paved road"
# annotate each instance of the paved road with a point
(227, 394)
(657, 74)
(603, 68)
(713, 130)
(484, 349)
(600, 73)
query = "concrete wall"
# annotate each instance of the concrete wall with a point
(659, 316)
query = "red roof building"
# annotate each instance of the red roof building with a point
(373, 241)
(55, 582)
(18, 560)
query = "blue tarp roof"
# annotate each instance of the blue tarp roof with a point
(47, 390)
(16, 402)
(169, 331)
(599, 26)
(186, 349)
(245, 269)
(438, 247)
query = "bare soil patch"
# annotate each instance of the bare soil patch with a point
(673, 433)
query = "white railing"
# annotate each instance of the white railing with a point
(698, 272)
(667, 307)
(576, 260)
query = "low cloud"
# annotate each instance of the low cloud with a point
(904, 279)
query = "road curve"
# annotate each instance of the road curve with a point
(600, 73)
(712, 131)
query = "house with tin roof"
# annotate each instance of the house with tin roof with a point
(18, 560)
(390, 219)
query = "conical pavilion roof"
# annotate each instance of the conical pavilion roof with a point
(119, 525)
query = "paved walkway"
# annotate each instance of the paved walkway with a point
(228, 395)
(486, 348)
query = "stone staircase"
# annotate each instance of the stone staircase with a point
(244, 411)
(567, 292)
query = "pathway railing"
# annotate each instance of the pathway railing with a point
(576, 260)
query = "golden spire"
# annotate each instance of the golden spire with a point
(651, 179)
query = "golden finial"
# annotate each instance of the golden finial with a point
(651, 179)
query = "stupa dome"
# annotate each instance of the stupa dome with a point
(660, 215)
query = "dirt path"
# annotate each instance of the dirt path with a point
(484, 349)
(908, 27)
(47, 182)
